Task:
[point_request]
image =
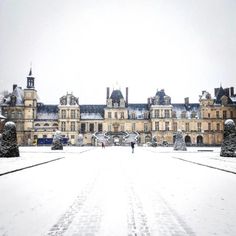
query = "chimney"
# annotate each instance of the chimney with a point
(14, 86)
(216, 91)
(127, 96)
(231, 91)
(227, 91)
(108, 92)
(186, 101)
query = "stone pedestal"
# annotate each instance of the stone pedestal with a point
(179, 144)
(9, 147)
(228, 147)
(56, 143)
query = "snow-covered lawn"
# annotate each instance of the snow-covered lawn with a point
(104, 192)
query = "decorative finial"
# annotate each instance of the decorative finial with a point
(30, 73)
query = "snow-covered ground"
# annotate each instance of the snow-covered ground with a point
(104, 192)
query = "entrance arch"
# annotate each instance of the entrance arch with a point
(188, 140)
(199, 140)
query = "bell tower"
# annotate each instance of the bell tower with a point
(30, 80)
(30, 108)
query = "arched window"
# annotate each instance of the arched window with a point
(199, 140)
(46, 124)
(188, 140)
(37, 124)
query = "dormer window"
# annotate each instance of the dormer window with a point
(133, 116)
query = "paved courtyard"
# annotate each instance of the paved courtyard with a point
(85, 191)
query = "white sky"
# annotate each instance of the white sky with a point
(182, 46)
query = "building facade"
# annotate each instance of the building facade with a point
(118, 122)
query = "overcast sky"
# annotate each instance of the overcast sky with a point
(84, 46)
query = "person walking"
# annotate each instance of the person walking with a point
(132, 146)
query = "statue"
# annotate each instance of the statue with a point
(179, 144)
(56, 142)
(9, 147)
(228, 147)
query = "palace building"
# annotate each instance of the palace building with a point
(118, 122)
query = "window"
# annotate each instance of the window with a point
(133, 115)
(63, 126)
(174, 114)
(193, 114)
(72, 127)
(122, 115)
(63, 114)
(217, 114)
(145, 127)
(167, 126)
(46, 125)
(218, 126)
(109, 115)
(157, 113)
(199, 127)
(91, 128)
(209, 126)
(72, 114)
(209, 115)
(175, 126)
(37, 124)
(44, 136)
(167, 113)
(109, 127)
(83, 128)
(100, 127)
(133, 126)
(231, 114)
(224, 114)
(157, 126)
(187, 127)
(116, 115)
(146, 115)
(13, 115)
(19, 114)
(183, 114)
(122, 128)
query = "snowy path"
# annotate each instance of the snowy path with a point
(111, 191)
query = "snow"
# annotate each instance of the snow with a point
(91, 116)
(229, 122)
(47, 116)
(95, 191)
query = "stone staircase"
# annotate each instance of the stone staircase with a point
(116, 138)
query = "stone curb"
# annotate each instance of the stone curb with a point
(27, 167)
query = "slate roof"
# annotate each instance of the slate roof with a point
(116, 95)
(47, 112)
(161, 94)
(221, 92)
(188, 108)
(139, 109)
(92, 112)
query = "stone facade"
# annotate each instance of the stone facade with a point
(157, 120)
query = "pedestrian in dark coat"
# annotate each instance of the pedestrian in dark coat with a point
(132, 146)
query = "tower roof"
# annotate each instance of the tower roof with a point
(116, 95)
